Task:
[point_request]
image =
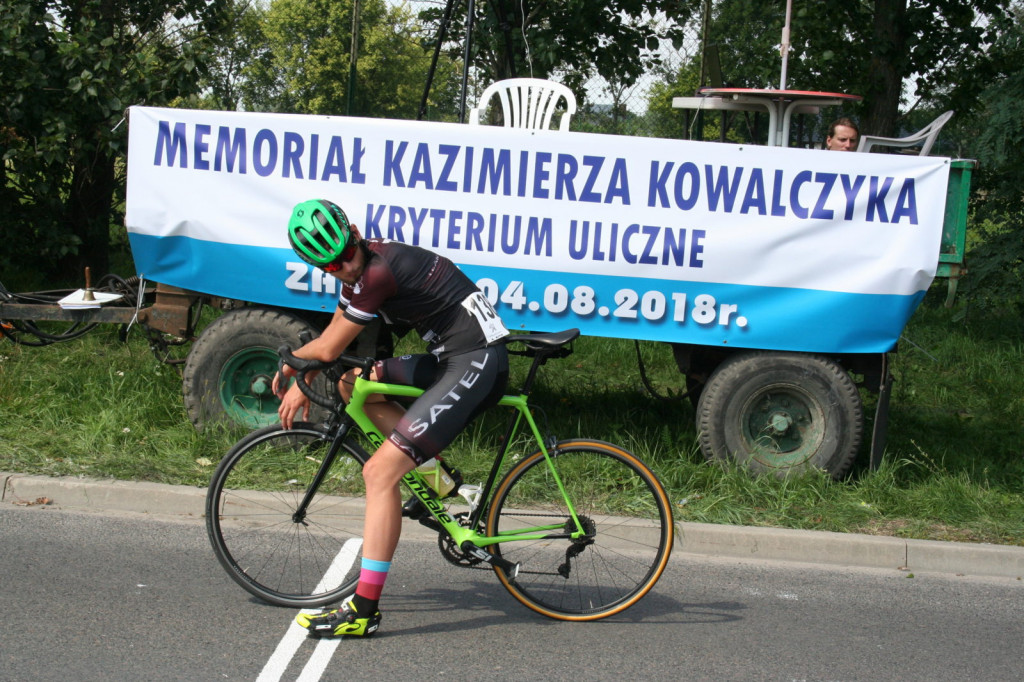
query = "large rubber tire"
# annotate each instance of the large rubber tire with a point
(230, 368)
(781, 413)
(271, 546)
(628, 522)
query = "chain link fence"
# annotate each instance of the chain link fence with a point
(605, 107)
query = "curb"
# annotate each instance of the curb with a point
(740, 542)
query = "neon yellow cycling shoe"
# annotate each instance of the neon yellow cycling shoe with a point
(343, 622)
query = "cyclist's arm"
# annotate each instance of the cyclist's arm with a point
(329, 345)
(338, 335)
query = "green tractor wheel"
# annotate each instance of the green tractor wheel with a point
(781, 413)
(246, 392)
(230, 369)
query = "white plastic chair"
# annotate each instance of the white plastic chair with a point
(924, 137)
(527, 103)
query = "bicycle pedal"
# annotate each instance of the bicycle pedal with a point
(431, 523)
(413, 508)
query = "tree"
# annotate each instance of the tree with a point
(997, 259)
(617, 39)
(869, 47)
(235, 50)
(305, 64)
(665, 121)
(68, 70)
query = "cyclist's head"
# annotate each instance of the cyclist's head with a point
(321, 235)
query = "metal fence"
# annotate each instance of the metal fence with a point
(604, 107)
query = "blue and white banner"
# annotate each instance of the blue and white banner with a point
(669, 240)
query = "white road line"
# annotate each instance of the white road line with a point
(296, 634)
(282, 656)
(317, 663)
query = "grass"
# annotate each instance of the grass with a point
(953, 469)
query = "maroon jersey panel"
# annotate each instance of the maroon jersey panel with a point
(411, 287)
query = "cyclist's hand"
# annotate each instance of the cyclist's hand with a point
(293, 404)
(281, 380)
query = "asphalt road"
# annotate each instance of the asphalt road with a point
(92, 596)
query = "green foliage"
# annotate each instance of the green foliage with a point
(234, 50)
(952, 469)
(305, 62)
(617, 40)
(991, 136)
(996, 260)
(868, 48)
(67, 73)
(664, 121)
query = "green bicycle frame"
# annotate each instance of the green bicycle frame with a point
(364, 388)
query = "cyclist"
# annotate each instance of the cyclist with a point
(464, 371)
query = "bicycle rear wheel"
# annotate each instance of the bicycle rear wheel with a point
(624, 511)
(271, 545)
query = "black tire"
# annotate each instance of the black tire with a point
(283, 556)
(621, 504)
(781, 413)
(230, 368)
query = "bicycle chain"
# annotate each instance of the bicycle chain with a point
(452, 553)
(456, 556)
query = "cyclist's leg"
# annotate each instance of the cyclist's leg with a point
(383, 525)
(418, 370)
(465, 385)
(392, 460)
(425, 430)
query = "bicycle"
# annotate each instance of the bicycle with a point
(577, 530)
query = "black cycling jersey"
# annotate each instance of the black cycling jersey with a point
(410, 286)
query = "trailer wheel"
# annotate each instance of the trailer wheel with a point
(781, 413)
(230, 368)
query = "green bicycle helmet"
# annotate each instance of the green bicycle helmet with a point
(319, 232)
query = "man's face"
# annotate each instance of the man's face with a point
(351, 270)
(845, 140)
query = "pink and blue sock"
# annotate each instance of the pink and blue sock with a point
(372, 575)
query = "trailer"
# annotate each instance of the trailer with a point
(556, 235)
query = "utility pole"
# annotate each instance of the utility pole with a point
(465, 60)
(785, 43)
(353, 56)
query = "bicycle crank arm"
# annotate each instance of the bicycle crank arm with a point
(511, 569)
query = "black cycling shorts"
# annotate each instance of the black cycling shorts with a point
(458, 388)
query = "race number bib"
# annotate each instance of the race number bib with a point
(482, 310)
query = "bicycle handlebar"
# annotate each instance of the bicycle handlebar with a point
(542, 346)
(303, 367)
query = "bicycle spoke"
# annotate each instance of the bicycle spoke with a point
(623, 511)
(268, 544)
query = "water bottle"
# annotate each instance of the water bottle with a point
(439, 477)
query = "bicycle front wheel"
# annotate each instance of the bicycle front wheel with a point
(284, 513)
(627, 530)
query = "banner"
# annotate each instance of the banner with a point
(648, 238)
